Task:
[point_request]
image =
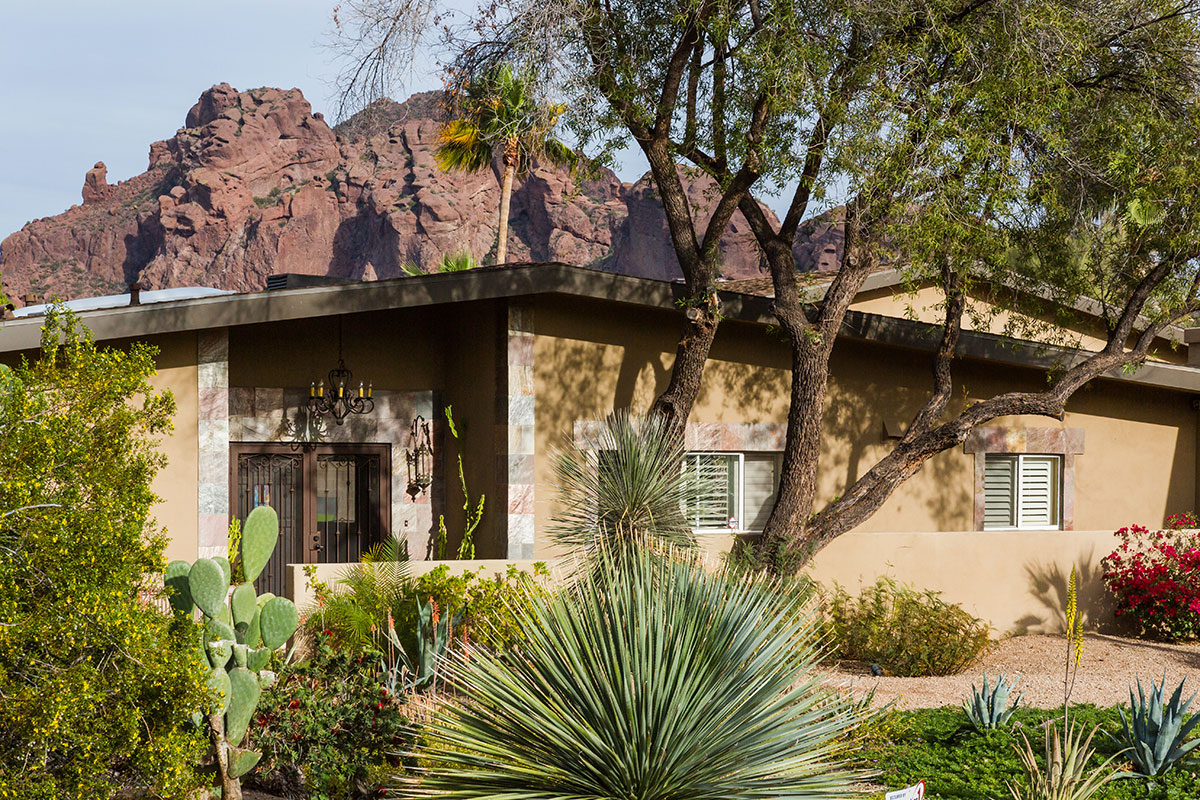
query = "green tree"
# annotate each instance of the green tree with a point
(969, 142)
(96, 689)
(498, 113)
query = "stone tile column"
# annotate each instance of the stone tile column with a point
(514, 429)
(212, 377)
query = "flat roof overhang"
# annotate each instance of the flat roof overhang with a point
(494, 283)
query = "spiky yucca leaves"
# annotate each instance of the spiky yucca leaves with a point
(648, 678)
(1066, 776)
(1156, 737)
(624, 484)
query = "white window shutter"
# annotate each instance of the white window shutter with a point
(1039, 491)
(761, 481)
(717, 501)
(1000, 492)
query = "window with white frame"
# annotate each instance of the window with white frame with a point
(1022, 492)
(737, 490)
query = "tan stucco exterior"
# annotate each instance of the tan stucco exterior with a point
(985, 314)
(613, 348)
(590, 363)
(175, 483)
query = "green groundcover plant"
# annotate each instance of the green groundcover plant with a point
(96, 690)
(936, 746)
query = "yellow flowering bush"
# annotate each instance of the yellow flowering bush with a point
(96, 689)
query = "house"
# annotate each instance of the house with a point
(531, 356)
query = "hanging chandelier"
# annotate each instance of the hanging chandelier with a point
(343, 398)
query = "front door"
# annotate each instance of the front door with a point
(333, 501)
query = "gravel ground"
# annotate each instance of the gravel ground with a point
(1109, 665)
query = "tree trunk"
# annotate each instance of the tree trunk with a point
(695, 341)
(782, 543)
(510, 171)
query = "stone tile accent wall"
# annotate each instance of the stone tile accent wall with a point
(212, 378)
(259, 414)
(1066, 442)
(720, 436)
(514, 429)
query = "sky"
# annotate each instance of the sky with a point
(83, 81)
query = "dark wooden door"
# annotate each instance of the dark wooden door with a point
(333, 501)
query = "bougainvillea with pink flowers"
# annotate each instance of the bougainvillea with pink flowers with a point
(1155, 578)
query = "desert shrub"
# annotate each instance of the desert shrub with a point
(328, 726)
(905, 631)
(1155, 578)
(380, 595)
(649, 677)
(97, 689)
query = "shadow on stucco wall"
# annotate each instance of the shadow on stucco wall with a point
(1048, 585)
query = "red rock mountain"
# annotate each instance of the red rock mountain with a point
(256, 184)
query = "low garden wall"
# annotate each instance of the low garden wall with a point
(1015, 580)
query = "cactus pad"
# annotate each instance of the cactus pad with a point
(277, 622)
(242, 761)
(243, 604)
(218, 653)
(242, 700)
(249, 634)
(216, 629)
(223, 563)
(259, 535)
(218, 681)
(240, 651)
(175, 578)
(208, 586)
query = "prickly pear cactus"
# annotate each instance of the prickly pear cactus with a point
(239, 632)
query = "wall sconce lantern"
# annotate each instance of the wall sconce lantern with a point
(343, 399)
(419, 457)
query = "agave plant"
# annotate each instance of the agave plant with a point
(625, 483)
(1066, 776)
(1157, 733)
(989, 709)
(649, 677)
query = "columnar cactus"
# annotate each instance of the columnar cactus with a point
(240, 630)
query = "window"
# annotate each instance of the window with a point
(739, 490)
(1022, 492)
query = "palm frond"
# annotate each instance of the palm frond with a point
(463, 148)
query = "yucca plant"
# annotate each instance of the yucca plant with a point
(1156, 736)
(624, 484)
(989, 709)
(648, 678)
(1066, 776)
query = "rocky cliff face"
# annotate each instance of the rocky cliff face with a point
(256, 184)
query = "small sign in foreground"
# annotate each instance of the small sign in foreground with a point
(911, 793)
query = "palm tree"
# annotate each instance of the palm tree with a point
(500, 114)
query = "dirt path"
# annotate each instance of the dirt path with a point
(1110, 665)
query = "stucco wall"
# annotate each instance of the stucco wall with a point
(926, 304)
(175, 484)
(1138, 463)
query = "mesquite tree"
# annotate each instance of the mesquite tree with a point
(972, 142)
